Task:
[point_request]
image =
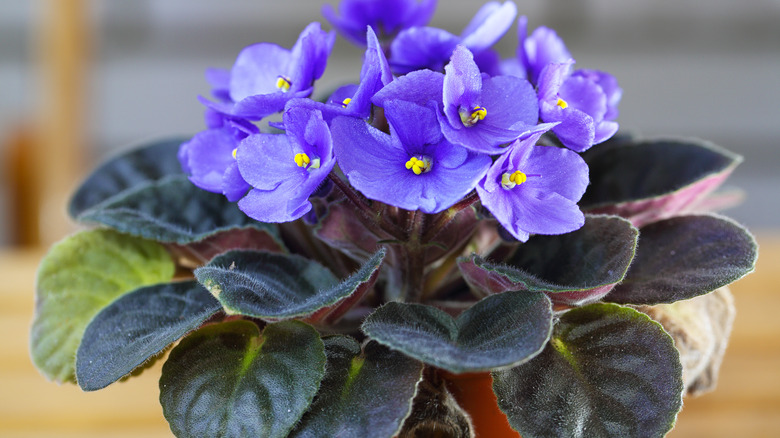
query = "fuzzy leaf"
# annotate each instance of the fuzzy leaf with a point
(172, 210)
(649, 180)
(228, 380)
(277, 286)
(500, 331)
(138, 166)
(607, 371)
(573, 268)
(684, 257)
(80, 276)
(138, 326)
(363, 394)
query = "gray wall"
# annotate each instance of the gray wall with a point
(708, 69)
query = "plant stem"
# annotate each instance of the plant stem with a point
(415, 259)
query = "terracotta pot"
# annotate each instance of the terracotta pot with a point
(474, 394)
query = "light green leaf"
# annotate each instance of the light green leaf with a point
(79, 276)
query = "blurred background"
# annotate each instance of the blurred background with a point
(83, 79)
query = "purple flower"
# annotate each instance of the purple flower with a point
(209, 157)
(609, 85)
(580, 103)
(423, 87)
(414, 167)
(474, 110)
(534, 52)
(355, 100)
(535, 189)
(429, 47)
(285, 169)
(265, 76)
(386, 17)
(480, 112)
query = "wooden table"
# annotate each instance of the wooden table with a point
(746, 403)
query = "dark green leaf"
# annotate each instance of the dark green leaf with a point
(228, 380)
(649, 180)
(172, 210)
(279, 286)
(573, 268)
(686, 256)
(363, 394)
(78, 277)
(138, 326)
(608, 371)
(500, 331)
(138, 166)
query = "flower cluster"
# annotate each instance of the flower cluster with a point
(434, 119)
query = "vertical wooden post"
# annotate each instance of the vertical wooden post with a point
(61, 140)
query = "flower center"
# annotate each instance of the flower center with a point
(419, 165)
(303, 160)
(562, 103)
(470, 119)
(235, 151)
(283, 83)
(509, 181)
(345, 102)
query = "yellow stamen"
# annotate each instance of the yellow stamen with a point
(346, 102)
(419, 165)
(283, 83)
(477, 114)
(562, 103)
(509, 181)
(234, 153)
(303, 160)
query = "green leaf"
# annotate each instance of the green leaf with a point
(573, 268)
(228, 380)
(138, 166)
(648, 180)
(137, 327)
(279, 286)
(684, 257)
(171, 209)
(78, 277)
(363, 394)
(500, 331)
(607, 371)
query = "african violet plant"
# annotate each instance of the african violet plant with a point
(331, 272)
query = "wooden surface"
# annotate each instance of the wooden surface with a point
(745, 404)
